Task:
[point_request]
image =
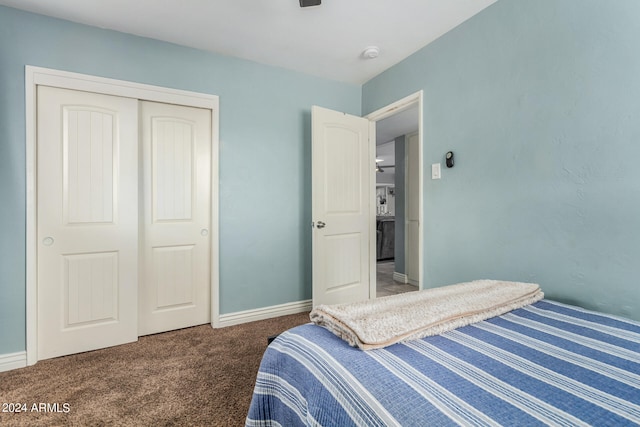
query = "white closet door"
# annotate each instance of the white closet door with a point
(87, 225)
(175, 290)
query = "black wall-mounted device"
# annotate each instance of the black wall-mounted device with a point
(449, 159)
(307, 3)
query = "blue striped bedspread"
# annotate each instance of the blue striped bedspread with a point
(544, 364)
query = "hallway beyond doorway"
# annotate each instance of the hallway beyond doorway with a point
(385, 285)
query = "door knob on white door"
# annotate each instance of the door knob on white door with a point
(204, 232)
(48, 241)
(320, 224)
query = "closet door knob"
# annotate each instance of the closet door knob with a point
(48, 241)
(204, 232)
(320, 224)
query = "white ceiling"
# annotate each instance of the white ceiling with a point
(386, 154)
(402, 123)
(388, 129)
(326, 40)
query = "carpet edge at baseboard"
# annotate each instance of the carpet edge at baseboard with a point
(253, 315)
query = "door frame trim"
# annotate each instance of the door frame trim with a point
(382, 113)
(36, 76)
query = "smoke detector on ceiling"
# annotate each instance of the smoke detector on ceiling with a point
(371, 52)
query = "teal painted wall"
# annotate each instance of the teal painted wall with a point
(265, 157)
(540, 101)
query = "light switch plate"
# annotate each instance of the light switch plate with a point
(435, 171)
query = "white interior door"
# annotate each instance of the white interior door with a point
(175, 287)
(412, 209)
(342, 169)
(87, 222)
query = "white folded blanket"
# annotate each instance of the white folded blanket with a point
(385, 321)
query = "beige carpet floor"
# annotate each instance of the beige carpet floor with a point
(198, 376)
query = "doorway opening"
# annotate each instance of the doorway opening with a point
(398, 197)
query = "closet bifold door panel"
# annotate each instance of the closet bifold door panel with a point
(175, 281)
(87, 221)
(123, 219)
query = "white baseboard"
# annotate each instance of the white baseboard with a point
(400, 277)
(264, 313)
(13, 361)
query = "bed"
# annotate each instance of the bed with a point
(543, 364)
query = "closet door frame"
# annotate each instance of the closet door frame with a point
(35, 76)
